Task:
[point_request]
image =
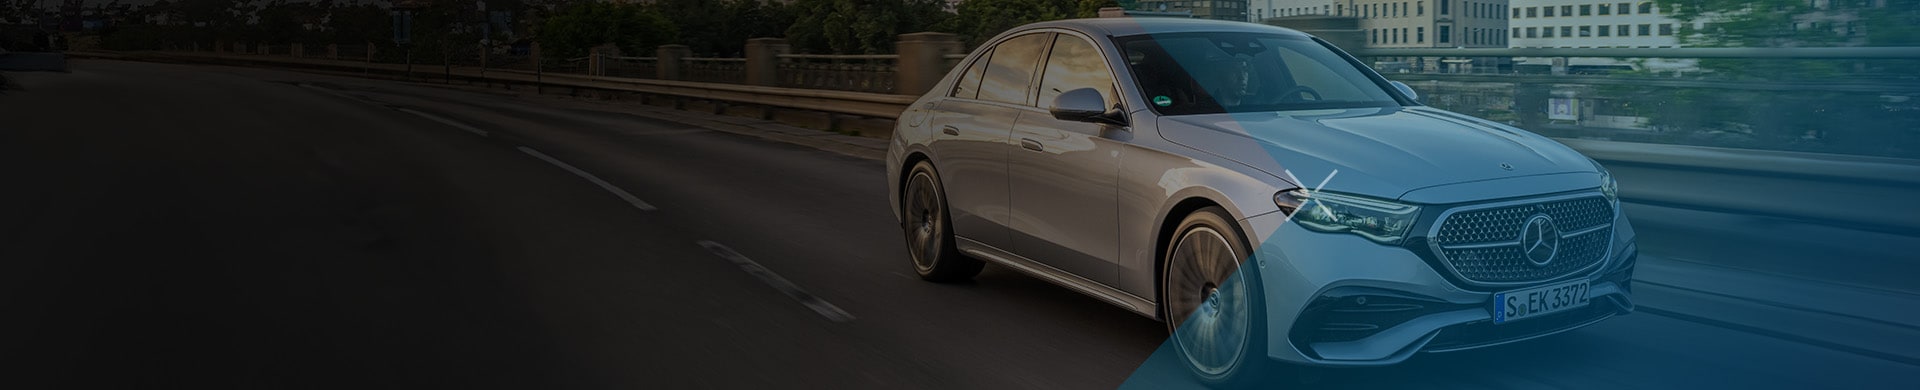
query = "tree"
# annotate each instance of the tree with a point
(859, 26)
(980, 20)
(352, 22)
(633, 28)
(1813, 119)
(721, 28)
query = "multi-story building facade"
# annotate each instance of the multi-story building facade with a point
(1591, 23)
(1405, 23)
(1594, 24)
(1204, 9)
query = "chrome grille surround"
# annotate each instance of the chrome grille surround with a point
(1480, 244)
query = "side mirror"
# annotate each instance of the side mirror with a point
(1406, 89)
(1084, 105)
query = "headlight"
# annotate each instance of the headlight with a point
(1608, 187)
(1378, 220)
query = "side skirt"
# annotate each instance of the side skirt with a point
(1114, 296)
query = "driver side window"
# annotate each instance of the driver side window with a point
(1074, 64)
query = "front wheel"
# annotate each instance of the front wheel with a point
(1214, 311)
(923, 205)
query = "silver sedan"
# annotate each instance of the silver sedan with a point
(1265, 194)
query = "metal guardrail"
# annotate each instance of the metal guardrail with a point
(1843, 53)
(893, 57)
(1664, 82)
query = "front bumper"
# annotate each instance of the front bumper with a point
(1341, 300)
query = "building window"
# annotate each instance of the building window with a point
(1586, 9)
(1566, 31)
(1625, 8)
(1419, 35)
(1546, 12)
(1666, 29)
(1516, 12)
(1646, 29)
(1646, 8)
(1516, 33)
(1566, 10)
(1446, 32)
(1420, 8)
(1623, 31)
(1586, 31)
(1533, 32)
(1606, 9)
(1546, 32)
(1443, 11)
(1604, 31)
(1531, 13)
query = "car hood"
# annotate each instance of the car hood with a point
(1380, 152)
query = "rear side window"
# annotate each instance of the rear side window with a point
(1009, 74)
(969, 85)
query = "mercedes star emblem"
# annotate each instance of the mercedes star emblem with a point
(1539, 239)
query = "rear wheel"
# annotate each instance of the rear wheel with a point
(1213, 311)
(923, 205)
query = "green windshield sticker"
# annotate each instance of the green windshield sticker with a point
(1162, 101)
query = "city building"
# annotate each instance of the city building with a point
(1401, 24)
(1594, 24)
(1591, 23)
(1404, 23)
(1203, 9)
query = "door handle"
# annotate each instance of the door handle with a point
(1030, 144)
(949, 130)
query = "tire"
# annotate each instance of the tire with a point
(929, 232)
(1215, 315)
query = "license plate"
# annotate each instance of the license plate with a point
(1534, 302)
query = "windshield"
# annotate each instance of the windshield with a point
(1209, 73)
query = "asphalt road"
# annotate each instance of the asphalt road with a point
(171, 226)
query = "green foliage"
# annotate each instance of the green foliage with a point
(721, 28)
(980, 20)
(1816, 119)
(353, 23)
(859, 26)
(636, 30)
(1792, 23)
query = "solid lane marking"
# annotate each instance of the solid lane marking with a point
(448, 122)
(635, 201)
(821, 306)
(435, 118)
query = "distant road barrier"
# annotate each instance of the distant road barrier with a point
(1871, 193)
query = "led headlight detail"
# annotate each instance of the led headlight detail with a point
(1378, 220)
(1609, 187)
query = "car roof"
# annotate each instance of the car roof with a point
(1120, 27)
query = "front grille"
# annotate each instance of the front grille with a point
(1482, 245)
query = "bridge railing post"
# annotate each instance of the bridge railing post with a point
(671, 65)
(763, 60)
(923, 60)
